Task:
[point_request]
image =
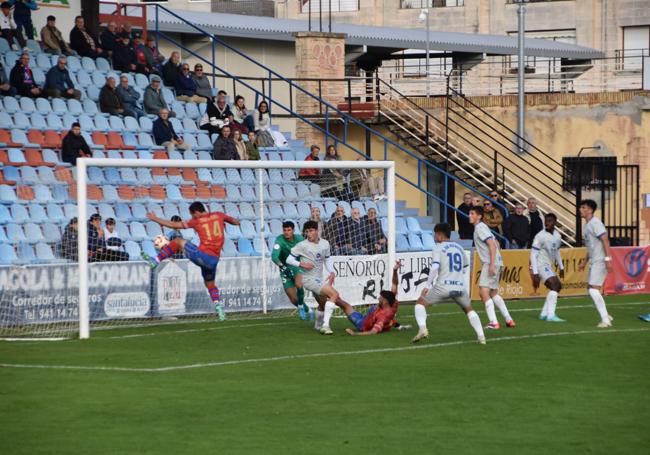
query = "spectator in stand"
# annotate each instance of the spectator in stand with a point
(58, 83)
(109, 100)
(129, 96)
(52, 39)
(517, 228)
(224, 146)
(496, 197)
(154, 100)
(9, 29)
(172, 69)
(492, 217)
(97, 250)
(364, 184)
(129, 30)
(23, 16)
(477, 201)
(74, 146)
(335, 180)
(186, 87)
(311, 174)
(358, 235)
(124, 58)
(112, 238)
(68, 248)
(82, 41)
(152, 57)
(203, 87)
(536, 221)
(375, 238)
(315, 216)
(252, 151)
(5, 87)
(22, 79)
(240, 145)
(337, 232)
(141, 56)
(242, 117)
(262, 125)
(109, 38)
(175, 234)
(217, 115)
(465, 228)
(164, 134)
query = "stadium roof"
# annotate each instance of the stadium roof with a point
(269, 28)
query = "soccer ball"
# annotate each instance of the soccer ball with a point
(160, 241)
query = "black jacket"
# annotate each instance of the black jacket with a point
(123, 57)
(71, 147)
(17, 80)
(465, 228)
(108, 40)
(109, 100)
(68, 247)
(337, 232)
(163, 132)
(536, 225)
(170, 73)
(517, 228)
(224, 149)
(79, 43)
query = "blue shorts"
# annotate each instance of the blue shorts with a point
(207, 262)
(357, 318)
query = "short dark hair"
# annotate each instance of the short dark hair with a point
(222, 92)
(477, 209)
(197, 206)
(589, 203)
(78, 17)
(75, 125)
(288, 224)
(443, 228)
(388, 295)
(314, 147)
(51, 18)
(95, 216)
(310, 225)
(176, 218)
(551, 215)
(110, 220)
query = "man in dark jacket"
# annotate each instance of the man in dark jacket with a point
(152, 57)
(97, 251)
(164, 134)
(68, 248)
(358, 236)
(536, 222)
(109, 38)
(8, 27)
(172, 69)
(83, 42)
(74, 146)
(465, 228)
(154, 99)
(123, 55)
(501, 203)
(224, 146)
(109, 100)
(376, 240)
(186, 87)
(337, 232)
(129, 96)
(58, 83)
(22, 79)
(23, 16)
(517, 228)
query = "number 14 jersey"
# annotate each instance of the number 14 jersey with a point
(451, 258)
(210, 229)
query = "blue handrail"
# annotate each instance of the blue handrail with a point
(328, 107)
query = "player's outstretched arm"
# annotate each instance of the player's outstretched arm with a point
(354, 333)
(231, 220)
(166, 223)
(395, 282)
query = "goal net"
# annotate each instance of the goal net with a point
(123, 209)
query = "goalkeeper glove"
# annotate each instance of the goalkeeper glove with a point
(286, 271)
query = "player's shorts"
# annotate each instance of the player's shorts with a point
(441, 294)
(356, 319)
(290, 282)
(312, 284)
(597, 273)
(207, 262)
(487, 281)
(545, 272)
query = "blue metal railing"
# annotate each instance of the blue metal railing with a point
(329, 111)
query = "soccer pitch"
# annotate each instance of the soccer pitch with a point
(274, 386)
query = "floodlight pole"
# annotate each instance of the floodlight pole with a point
(424, 16)
(521, 93)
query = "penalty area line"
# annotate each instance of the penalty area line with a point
(315, 354)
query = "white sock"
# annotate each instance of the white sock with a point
(545, 308)
(329, 310)
(551, 302)
(491, 314)
(501, 305)
(475, 322)
(318, 320)
(421, 316)
(597, 297)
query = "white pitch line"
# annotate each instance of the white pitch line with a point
(313, 355)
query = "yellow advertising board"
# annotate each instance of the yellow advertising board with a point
(516, 280)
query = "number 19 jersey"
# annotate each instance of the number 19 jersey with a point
(451, 258)
(211, 231)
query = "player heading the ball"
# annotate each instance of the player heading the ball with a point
(211, 231)
(446, 283)
(546, 251)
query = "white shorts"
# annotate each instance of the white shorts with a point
(312, 284)
(440, 294)
(597, 273)
(545, 272)
(487, 281)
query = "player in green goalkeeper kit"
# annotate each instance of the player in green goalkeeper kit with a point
(291, 276)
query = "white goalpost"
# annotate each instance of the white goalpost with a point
(264, 280)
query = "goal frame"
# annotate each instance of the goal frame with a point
(82, 208)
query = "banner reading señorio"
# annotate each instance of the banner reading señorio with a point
(516, 280)
(630, 271)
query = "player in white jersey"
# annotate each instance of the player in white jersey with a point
(487, 248)
(311, 255)
(545, 252)
(595, 238)
(448, 266)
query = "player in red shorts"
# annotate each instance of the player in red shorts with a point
(211, 231)
(381, 317)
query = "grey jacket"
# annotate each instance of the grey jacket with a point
(129, 96)
(203, 86)
(154, 101)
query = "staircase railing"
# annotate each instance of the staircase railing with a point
(330, 111)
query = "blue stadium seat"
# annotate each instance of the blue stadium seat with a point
(51, 233)
(179, 109)
(44, 253)
(170, 210)
(86, 123)
(132, 249)
(245, 248)
(247, 176)
(275, 176)
(96, 175)
(146, 124)
(19, 213)
(4, 46)
(74, 63)
(329, 209)
(122, 212)
(189, 126)
(454, 236)
(106, 211)
(21, 121)
(3, 236)
(55, 213)
(43, 106)
(248, 229)
(359, 205)
(275, 193)
(204, 174)
(131, 124)
(29, 175)
(5, 216)
(145, 141)
(415, 242)
(219, 177)
(138, 232)
(116, 123)
(465, 243)
(248, 193)
(69, 211)
(16, 156)
(275, 226)
(7, 253)
(290, 210)
(11, 104)
(26, 253)
(60, 193)
(258, 228)
(42, 194)
(6, 121)
(75, 107)
(148, 247)
(110, 193)
(127, 175)
(270, 242)
(275, 210)
(88, 64)
(141, 81)
(103, 65)
(93, 94)
(39, 76)
(98, 78)
(232, 192)
(290, 193)
(116, 154)
(112, 176)
(90, 107)
(37, 213)
(204, 142)
(54, 122)
(156, 209)
(413, 225)
(11, 174)
(38, 121)
(257, 246)
(401, 244)
(46, 175)
(15, 233)
(59, 106)
(101, 123)
(400, 226)
(246, 211)
(67, 120)
(144, 176)
(130, 154)
(192, 111)
(43, 61)
(188, 138)
(83, 79)
(153, 229)
(229, 248)
(168, 95)
(123, 231)
(206, 156)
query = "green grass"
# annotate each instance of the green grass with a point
(567, 394)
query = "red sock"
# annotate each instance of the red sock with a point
(168, 251)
